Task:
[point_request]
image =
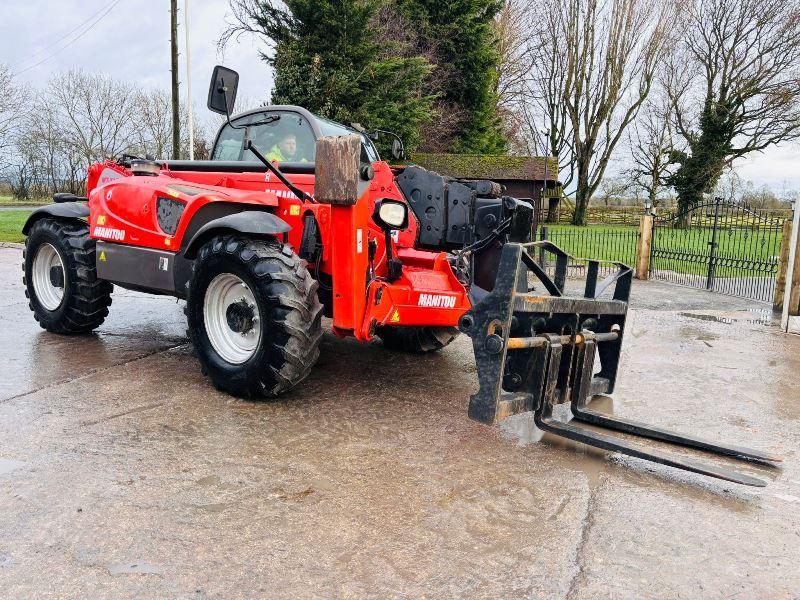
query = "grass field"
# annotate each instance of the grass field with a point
(603, 242)
(11, 201)
(678, 250)
(11, 222)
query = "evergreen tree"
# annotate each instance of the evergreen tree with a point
(460, 37)
(329, 58)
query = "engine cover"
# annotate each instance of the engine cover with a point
(456, 213)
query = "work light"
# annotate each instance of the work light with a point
(391, 214)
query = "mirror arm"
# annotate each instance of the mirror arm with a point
(302, 196)
(227, 110)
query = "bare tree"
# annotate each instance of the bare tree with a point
(152, 125)
(540, 117)
(592, 65)
(44, 155)
(730, 186)
(614, 189)
(43, 137)
(96, 112)
(650, 142)
(13, 101)
(614, 49)
(734, 86)
(512, 27)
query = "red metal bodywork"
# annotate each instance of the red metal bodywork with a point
(123, 211)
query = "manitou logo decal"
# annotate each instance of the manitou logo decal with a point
(437, 301)
(108, 175)
(283, 193)
(109, 233)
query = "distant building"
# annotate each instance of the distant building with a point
(523, 176)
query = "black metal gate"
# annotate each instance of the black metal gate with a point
(722, 246)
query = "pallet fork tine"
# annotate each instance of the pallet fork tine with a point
(585, 356)
(534, 351)
(544, 420)
(613, 444)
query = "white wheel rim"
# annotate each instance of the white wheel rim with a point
(237, 343)
(47, 292)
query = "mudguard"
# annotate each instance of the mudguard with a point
(66, 210)
(252, 222)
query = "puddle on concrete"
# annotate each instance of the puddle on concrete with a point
(698, 333)
(594, 463)
(214, 507)
(751, 316)
(524, 430)
(210, 480)
(134, 568)
(7, 465)
(591, 461)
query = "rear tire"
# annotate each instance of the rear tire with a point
(60, 278)
(416, 340)
(253, 315)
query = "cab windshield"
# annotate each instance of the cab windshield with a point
(281, 136)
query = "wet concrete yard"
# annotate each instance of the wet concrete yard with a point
(123, 473)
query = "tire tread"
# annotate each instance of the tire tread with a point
(87, 298)
(294, 315)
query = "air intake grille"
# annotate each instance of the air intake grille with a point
(168, 212)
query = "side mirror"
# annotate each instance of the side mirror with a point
(398, 152)
(390, 214)
(222, 91)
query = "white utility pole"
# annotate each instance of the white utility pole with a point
(788, 323)
(188, 79)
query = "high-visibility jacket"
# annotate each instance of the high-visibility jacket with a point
(275, 154)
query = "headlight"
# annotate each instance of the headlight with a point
(391, 214)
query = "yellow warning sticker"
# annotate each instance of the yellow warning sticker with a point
(103, 256)
(395, 317)
(294, 210)
(101, 220)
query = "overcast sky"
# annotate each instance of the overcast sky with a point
(129, 39)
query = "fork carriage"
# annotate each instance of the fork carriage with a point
(535, 350)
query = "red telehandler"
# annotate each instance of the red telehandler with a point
(296, 217)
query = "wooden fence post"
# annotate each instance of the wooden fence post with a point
(783, 264)
(794, 297)
(642, 270)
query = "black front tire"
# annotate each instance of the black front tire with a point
(290, 315)
(416, 340)
(85, 301)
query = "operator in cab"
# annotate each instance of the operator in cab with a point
(285, 150)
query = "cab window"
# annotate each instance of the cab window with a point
(279, 136)
(369, 153)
